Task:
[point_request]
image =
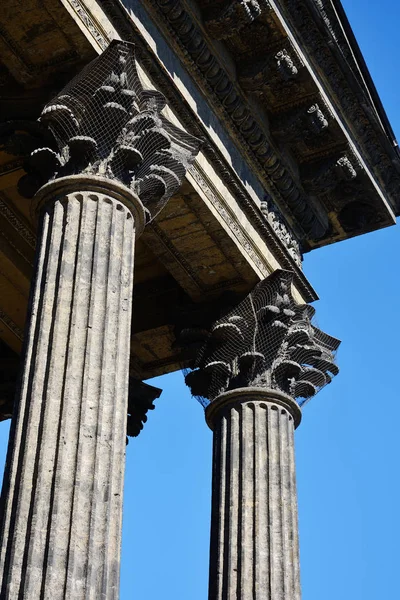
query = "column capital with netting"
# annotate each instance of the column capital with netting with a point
(105, 126)
(267, 341)
(257, 366)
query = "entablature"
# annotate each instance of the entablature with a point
(290, 102)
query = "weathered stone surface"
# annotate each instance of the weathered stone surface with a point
(254, 530)
(256, 366)
(63, 485)
(112, 163)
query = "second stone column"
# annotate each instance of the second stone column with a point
(257, 366)
(254, 533)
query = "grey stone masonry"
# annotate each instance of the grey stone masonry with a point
(112, 163)
(254, 532)
(258, 364)
(63, 485)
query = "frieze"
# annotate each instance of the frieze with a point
(9, 323)
(273, 221)
(16, 223)
(231, 222)
(92, 26)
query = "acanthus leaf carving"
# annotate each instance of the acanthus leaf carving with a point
(105, 123)
(267, 340)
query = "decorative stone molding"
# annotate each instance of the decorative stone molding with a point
(286, 65)
(139, 147)
(127, 28)
(278, 237)
(186, 36)
(326, 175)
(17, 223)
(299, 15)
(232, 18)
(9, 323)
(171, 17)
(92, 25)
(301, 124)
(280, 67)
(275, 219)
(268, 341)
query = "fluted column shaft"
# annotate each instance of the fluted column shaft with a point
(254, 533)
(63, 484)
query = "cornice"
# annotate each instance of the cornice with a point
(304, 21)
(190, 44)
(126, 28)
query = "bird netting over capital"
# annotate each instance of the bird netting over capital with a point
(105, 123)
(269, 341)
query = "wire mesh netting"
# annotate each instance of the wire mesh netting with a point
(268, 341)
(105, 123)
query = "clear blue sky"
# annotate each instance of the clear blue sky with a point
(347, 446)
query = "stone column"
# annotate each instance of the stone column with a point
(254, 531)
(61, 529)
(112, 164)
(258, 365)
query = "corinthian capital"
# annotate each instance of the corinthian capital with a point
(104, 123)
(268, 341)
